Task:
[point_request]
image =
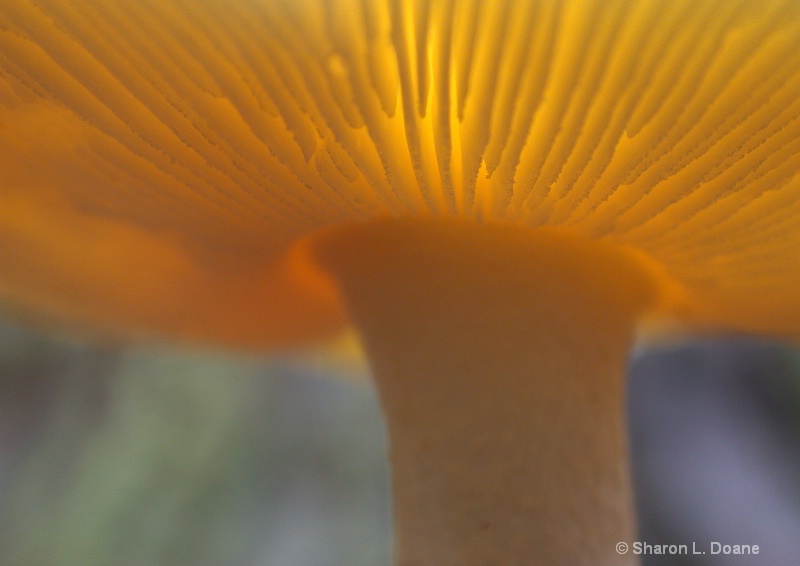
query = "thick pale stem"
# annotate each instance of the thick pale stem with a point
(499, 355)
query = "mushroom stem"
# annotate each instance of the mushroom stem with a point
(499, 354)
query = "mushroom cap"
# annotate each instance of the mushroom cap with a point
(165, 164)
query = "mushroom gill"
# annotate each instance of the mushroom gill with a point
(495, 193)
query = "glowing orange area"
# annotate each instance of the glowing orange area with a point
(234, 130)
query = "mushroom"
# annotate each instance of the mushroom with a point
(500, 196)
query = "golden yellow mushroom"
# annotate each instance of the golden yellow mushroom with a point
(501, 196)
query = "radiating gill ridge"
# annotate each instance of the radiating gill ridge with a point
(660, 125)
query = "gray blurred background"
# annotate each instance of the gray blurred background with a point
(151, 456)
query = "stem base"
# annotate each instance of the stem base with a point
(499, 355)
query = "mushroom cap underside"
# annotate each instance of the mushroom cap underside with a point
(163, 165)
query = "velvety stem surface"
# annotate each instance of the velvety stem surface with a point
(499, 354)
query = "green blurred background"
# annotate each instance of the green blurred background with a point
(157, 456)
(164, 457)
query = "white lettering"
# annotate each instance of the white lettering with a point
(647, 548)
(719, 548)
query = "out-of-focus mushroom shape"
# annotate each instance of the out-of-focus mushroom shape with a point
(210, 170)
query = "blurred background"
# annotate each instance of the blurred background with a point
(154, 456)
